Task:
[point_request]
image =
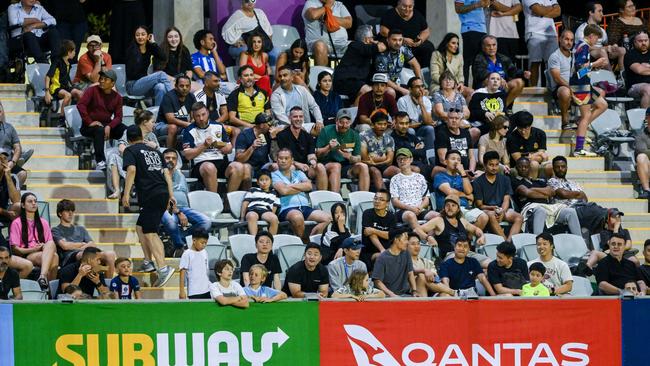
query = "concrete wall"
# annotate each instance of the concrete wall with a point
(442, 19)
(186, 15)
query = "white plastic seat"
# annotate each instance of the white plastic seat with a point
(636, 117)
(493, 239)
(319, 197)
(405, 75)
(528, 252)
(240, 245)
(120, 84)
(570, 248)
(280, 240)
(290, 254)
(355, 198)
(128, 115)
(231, 73)
(284, 36)
(490, 250)
(581, 287)
(31, 290)
(426, 251)
(521, 239)
(210, 204)
(73, 121)
(316, 238)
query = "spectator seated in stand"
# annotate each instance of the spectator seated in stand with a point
(377, 99)
(529, 142)
(263, 257)
(637, 68)
(447, 98)
(557, 277)
(72, 239)
(308, 277)
(493, 194)
(338, 147)
(57, 79)
(627, 23)
(602, 48)
(92, 63)
(642, 151)
(614, 275)
(124, 286)
(257, 291)
(508, 273)
(247, 101)
(335, 233)
(358, 287)
(258, 60)
(461, 271)
(375, 224)
(88, 274)
(288, 96)
(393, 270)
(410, 192)
(424, 269)
(140, 54)
(193, 268)
(211, 96)
(297, 60)
(226, 291)
(206, 58)
(495, 141)
(341, 268)
(100, 108)
(31, 238)
(392, 61)
(177, 56)
(8, 277)
(33, 29)
(253, 149)
(645, 267)
(377, 149)
(405, 140)
(261, 203)
(176, 219)
(294, 205)
(174, 112)
(328, 100)
(613, 225)
(9, 193)
(535, 288)
(447, 58)
(241, 25)
(451, 137)
(302, 146)
(11, 147)
(488, 102)
(326, 37)
(415, 28)
(418, 106)
(207, 144)
(489, 61)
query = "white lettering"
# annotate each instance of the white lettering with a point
(406, 354)
(479, 351)
(230, 357)
(458, 360)
(268, 339)
(180, 349)
(537, 356)
(517, 347)
(569, 350)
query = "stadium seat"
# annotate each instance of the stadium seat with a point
(308, 126)
(609, 77)
(529, 252)
(570, 248)
(355, 199)
(231, 73)
(313, 75)
(405, 75)
(493, 239)
(36, 75)
(79, 142)
(32, 290)
(426, 251)
(431, 156)
(216, 252)
(315, 239)
(128, 115)
(636, 117)
(120, 85)
(426, 75)
(240, 245)
(595, 241)
(154, 110)
(323, 200)
(581, 287)
(54, 286)
(290, 255)
(284, 36)
(281, 240)
(353, 112)
(73, 71)
(521, 239)
(371, 14)
(210, 204)
(212, 240)
(490, 250)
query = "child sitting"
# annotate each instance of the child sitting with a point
(194, 268)
(57, 80)
(261, 203)
(358, 288)
(74, 292)
(257, 291)
(226, 291)
(124, 286)
(535, 287)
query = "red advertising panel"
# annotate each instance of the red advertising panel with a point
(471, 333)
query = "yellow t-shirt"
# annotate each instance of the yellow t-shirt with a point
(537, 291)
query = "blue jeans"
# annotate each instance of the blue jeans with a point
(428, 135)
(156, 84)
(235, 51)
(171, 224)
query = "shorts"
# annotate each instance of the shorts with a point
(221, 166)
(161, 128)
(258, 210)
(56, 92)
(400, 213)
(635, 90)
(200, 296)
(381, 168)
(16, 169)
(471, 215)
(540, 47)
(305, 210)
(479, 257)
(151, 213)
(345, 169)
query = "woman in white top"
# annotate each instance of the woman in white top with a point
(242, 21)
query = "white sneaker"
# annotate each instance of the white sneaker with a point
(100, 166)
(164, 274)
(584, 153)
(147, 266)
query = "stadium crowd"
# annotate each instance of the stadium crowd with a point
(446, 165)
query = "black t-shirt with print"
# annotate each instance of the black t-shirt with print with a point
(149, 177)
(461, 142)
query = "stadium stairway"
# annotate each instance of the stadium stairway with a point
(54, 174)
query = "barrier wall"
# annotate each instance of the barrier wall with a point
(567, 332)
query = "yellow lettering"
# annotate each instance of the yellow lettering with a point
(92, 349)
(113, 349)
(143, 353)
(62, 348)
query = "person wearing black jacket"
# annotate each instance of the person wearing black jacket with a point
(138, 60)
(352, 72)
(489, 60)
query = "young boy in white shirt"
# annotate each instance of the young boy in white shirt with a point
(194, 269)
(226, 291)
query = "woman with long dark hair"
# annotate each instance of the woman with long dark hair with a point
(256, 58)
(447, 57)
(139, 55)
(297, 60)
(335, 233)
(31, 238)
(328, 101)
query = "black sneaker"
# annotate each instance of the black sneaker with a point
(42, 281)
(644, 195)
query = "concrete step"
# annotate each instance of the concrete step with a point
(533, 91)
(596, 163)
(535, 108)
(599, 176)
(639, 234)
(43, 162)
(13, 90)
(69, 191)
(635, 220)
(608, 190)
(14, 104)
(137, 262)
(110, 236)
(546, 122)
(157, 293)
(23, 119)
(558, 149)
(66, 177)
(147, 279)
(44, 147)
(88, 205)
(41, 133)
(131, 249)
(106, 219)
(627, 205)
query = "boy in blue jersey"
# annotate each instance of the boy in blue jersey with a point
(124, 286)
(256, 291)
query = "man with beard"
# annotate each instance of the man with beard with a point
(9, 279)
(614, 274)
(392, 61)
(637, 69)
(406, 140)
(418, 107)
(448, 228)
(247, 101)
(174, 112)
(289, 95)
(376, 99)
(452, 137)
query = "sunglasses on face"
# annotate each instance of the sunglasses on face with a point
(458, 110)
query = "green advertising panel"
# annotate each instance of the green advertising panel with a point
(163, 334)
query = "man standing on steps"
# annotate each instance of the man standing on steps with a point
(153, 182)
(10, 145)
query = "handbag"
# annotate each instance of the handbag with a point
(267, 44)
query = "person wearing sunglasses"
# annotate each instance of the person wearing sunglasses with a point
(247, 101)
(495, 140)
(418, 106)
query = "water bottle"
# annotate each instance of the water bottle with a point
(626, 42)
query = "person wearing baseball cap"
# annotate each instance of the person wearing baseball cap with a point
(338, 147)
(642, 151)
(613, 225)
(379, 98)
(341, 268)
(91, 63)
(410, 192)
(253, 145)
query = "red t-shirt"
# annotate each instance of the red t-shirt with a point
(86, 65)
